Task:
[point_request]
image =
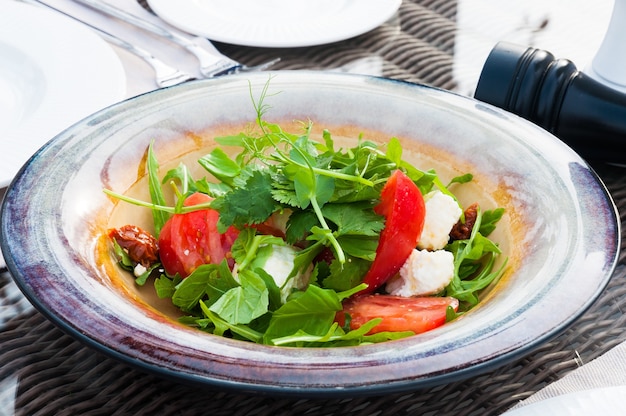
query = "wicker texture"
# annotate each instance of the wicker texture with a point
(45, 372)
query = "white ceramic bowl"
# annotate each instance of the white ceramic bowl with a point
(561, 230)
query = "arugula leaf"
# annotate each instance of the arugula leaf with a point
(221, 326)
(182, 175)
(474, 260)
(123, 259)
(273, 291)
(156, 192)
(208, 280)
(244, 303)
(165, 287)
(489, 220)
(336, 337)
(312, 312)
(468, 177)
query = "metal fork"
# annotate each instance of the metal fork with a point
(166, 76)
(212, 62)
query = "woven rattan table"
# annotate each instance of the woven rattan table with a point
(442, 43)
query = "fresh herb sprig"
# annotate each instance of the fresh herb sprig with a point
(275, 170)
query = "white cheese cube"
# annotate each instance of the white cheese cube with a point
(424, 273)
(139, 270)
(442, 212)
(279, 265)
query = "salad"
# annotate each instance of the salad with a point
(291, 241)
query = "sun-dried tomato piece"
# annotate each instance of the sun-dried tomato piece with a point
(463, 230)
(140, 245)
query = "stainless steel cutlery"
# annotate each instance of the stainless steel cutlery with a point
(212, 62)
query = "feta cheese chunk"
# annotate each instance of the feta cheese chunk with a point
(424, 273)
(279, 265)
(442, 212)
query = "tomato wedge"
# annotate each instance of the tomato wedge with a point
(189, 240)
(402, 204)
(398, 313)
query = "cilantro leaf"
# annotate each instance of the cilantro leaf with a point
(346, 276)
(355, 218)
(299, 225)
(247, 205)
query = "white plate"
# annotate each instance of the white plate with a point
(601, 401)
(276, 23)
(54, 72)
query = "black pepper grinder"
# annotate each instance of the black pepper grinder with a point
(552, 93)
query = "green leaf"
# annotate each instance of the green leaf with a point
(182, 175)
(247, 205)
(489, 220)
(312, 312)
(122, 256)
(219, 282)
(337, 337)
(324, 189)
(299, 224)
(355, 218)
(347, 275)
(221, 326)
(250, 247)
(357, 246)
(237, 140)
(394, 151)
(165, 287)
(143, 278)
(474, 260)
(243, 304)
(208, 280)
(273, 290)
(220, 165)
(468, 177)
(193, 288)
(156, 192)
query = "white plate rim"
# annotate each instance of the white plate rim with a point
(95, 79)
(356, 17)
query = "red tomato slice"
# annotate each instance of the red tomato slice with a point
(402, 204)
(398, 313)
(189, 240)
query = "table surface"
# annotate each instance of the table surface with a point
(442, 43)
